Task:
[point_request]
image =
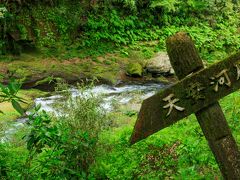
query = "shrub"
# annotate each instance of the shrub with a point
(64, 146)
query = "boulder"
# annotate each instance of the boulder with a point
(160, 65)
(134, 70)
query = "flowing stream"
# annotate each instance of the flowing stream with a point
(128, 96)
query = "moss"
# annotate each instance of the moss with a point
(46, 80)
(163, 79)
(35, 69)
(134, 70)
(107, 62)
(107, 77)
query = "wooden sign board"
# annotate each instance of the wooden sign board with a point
(188, 96)
(197, 92)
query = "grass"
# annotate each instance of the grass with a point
(177, 152)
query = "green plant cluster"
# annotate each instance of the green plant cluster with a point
(6, 21)
(8, 93)
(80, 144)
(111, 26)
(61, 27)
(58, 147)
(213, 25)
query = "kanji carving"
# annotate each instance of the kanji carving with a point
(194, 91)
(221, 79)
(238, 70)
(171, 104)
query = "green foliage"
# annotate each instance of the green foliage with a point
(179, 151)
(165, 18)
(63, 29)
(11, 161)
(169, 6)
(3, 168)
(8, 93)
(23, 31)
(64, 146)
(5, 25)
(111, 26)
(130, 113)
(74, 145)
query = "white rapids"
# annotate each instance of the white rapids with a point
(112, 97)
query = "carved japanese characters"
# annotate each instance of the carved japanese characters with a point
(190, 95)
(221, 79)
(237, 65)
(171, 104)
(194, 91)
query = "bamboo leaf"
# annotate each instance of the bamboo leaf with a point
(17, 107)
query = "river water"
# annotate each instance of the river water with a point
(128, 96)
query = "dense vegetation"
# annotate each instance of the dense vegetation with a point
(61, 26)
(85, 142)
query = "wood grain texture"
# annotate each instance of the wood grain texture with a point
(153, 116)
(211, 119)
(185, 61)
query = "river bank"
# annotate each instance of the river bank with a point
(36, 71)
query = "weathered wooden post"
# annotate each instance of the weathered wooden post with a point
(197, 92)
(185, 60)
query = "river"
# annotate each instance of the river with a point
(130, 96)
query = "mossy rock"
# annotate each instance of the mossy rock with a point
(134, 70)
(46, 80)
(163, 79)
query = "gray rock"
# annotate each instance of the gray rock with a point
(160, 65)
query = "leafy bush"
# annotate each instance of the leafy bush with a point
(89, 24)
(64, 146)
(8, 93)
(6, 22)
(203, 20)
(11, 161)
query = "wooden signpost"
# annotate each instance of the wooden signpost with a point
(197, 92)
